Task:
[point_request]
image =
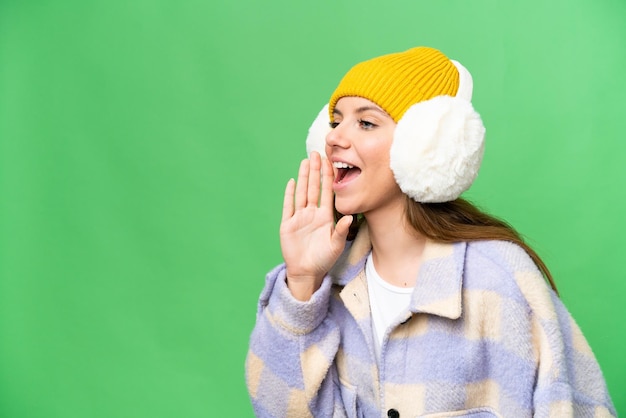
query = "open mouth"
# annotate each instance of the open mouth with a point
(345, 172)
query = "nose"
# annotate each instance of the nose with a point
(337, 137)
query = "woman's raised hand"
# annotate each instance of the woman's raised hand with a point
(310, 241)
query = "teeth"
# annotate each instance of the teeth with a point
(339, 164)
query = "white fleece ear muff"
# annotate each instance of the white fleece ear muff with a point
(437, 149)
(316, 138)
(466, 84)
(438, 145)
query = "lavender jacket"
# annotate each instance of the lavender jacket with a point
(484, 337)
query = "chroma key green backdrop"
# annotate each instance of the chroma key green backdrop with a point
(144, 149)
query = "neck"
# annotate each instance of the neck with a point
(396, 247)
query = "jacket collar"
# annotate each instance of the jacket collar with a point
(438, 289)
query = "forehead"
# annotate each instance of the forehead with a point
(356, 104)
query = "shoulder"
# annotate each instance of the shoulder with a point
(505, 268)
(503, 255)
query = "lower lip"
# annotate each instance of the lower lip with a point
(338, 186)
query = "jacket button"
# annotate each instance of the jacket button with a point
(393, 413)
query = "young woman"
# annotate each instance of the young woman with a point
(414, 303)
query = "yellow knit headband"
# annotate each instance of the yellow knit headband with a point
(397, 81)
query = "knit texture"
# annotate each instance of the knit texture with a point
(484, 337)
(396, 81)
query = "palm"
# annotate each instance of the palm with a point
(306, 240)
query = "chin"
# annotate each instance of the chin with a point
(347, 208)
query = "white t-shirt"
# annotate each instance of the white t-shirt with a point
(387, 302)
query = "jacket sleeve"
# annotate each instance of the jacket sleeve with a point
(569, 382)
(289, 366)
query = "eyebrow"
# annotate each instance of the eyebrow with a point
(361, 110)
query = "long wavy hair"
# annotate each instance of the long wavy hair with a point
(459, 220)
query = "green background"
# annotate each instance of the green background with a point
(145, 145)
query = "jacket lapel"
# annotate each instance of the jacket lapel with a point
(438, 289)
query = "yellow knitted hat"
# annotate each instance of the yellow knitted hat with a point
(397, 81)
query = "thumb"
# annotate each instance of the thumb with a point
(341, 231)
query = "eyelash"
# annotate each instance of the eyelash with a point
(362, 123)
(366, 124)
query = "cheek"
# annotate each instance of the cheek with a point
(385, 150)
(378, 152)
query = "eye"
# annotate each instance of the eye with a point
(366, 124)
(333, 124)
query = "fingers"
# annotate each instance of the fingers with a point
(341, 231)
(288, 200)
(306, 190)
(302, 185)
(315, 165)
(327, 185)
